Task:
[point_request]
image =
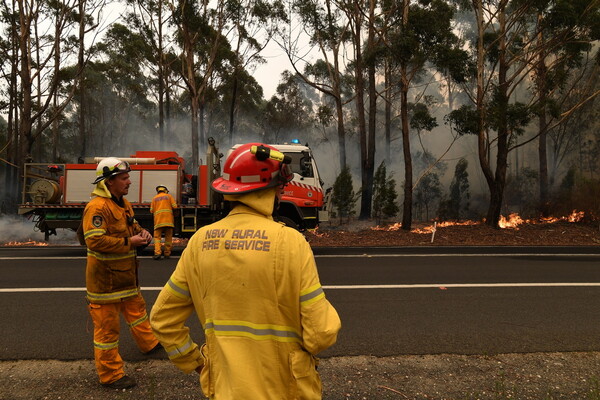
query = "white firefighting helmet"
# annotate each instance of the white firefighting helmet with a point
(110, 167)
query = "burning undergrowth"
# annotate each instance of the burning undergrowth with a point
(571, 230)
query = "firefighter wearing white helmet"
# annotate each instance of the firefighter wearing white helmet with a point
(162, 207)
(254, 285)
(112, 236)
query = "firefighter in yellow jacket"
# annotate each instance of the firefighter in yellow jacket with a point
(112, 236)
(254, 285)
(162, 207)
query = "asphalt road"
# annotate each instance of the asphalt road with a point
(391, 301)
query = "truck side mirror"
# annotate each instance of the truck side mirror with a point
(305, 162)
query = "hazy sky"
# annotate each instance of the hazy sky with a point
(269, 74)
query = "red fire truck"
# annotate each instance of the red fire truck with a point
(55, 195)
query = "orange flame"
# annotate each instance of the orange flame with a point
(28, 243)
(423, 231)
(318, 233)
(389, 228)
(461, 223)
(511, 222)
(576, 216)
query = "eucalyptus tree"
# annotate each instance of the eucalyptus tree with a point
(200, 35)
(361, 21)
(9, 47)
(577, 140)
(254, 23)
(37, 69)
(121, 92)
(88, 14)
(64, 25)
(249, 105)
(328, 30)
(456, 205)
(150, 18)
(428, 192)
(563, 32)
(418, 35)
(507, 53)
(289, 111)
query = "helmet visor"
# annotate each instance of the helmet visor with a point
(123, 166)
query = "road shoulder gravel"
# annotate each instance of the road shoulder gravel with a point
(572, 376)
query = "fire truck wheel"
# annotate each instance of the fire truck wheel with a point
(289, 222)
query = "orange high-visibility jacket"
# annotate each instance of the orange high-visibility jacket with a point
(254, 285)
(162, 207)
(111, 273)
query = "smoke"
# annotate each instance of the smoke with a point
(19, 229)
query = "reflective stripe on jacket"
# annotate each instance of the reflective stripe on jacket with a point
(254, 285)
(111, 271)
(162, 207)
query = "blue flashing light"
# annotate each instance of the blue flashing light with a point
(295, 141)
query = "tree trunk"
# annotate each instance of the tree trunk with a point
(543, 160)
(388, 113)
(542, 145)
(339, 108)
(408, 178)
(195, 119)
(167, 107)
(80, 62)
(38, 97)
(497, 188)
(360, 103)
(55, 127)
(25, 125)
(161, 80)
(482, 144)
(369, 161)
(233, 105)
(11, 193)
(341, 131)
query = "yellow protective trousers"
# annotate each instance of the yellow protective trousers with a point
(158, 232)
(109, 363)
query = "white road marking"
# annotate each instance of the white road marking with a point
(458, 255)
(355, 287)
(362, 256)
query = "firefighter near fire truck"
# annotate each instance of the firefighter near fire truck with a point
(162, 207)
(254, 285)
(112, 236)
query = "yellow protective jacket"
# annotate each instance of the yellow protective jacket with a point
(162, 207)
(111, 272)
(254, 286)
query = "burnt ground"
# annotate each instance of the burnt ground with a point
(534, 376)
(357, 233)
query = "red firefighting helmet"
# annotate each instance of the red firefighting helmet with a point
(110, 167)
(162, 188)
(251, 167)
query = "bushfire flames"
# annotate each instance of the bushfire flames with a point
(511, 222)
(514, 220)
(28, 243)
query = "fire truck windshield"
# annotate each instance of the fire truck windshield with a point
(301, 164)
